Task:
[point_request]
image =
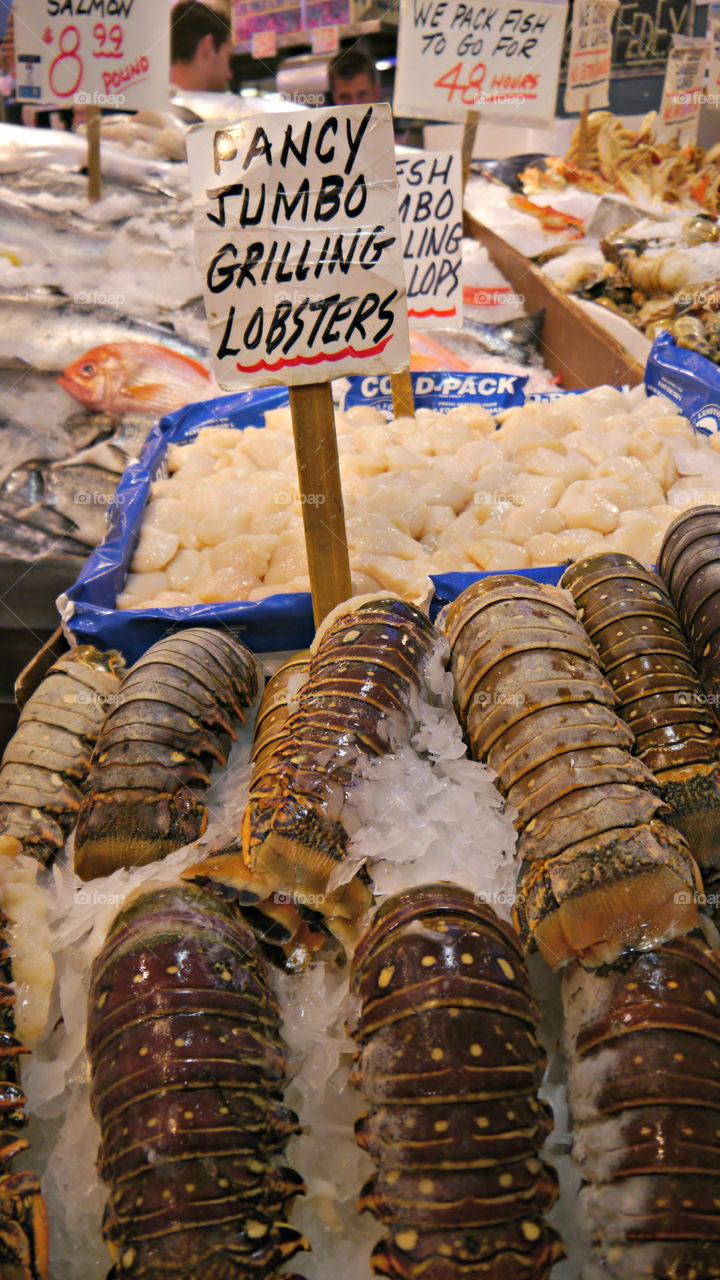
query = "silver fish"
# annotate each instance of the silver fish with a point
(44, 329)
(28, 233)
(63, 502)
(22, 148)
(122, 443)
(19, 445)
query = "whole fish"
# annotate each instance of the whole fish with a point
(29, 234)
(43, 328)
(518, 339)
(22, 148)
(71, 502)
(19, 445)
(124, 376)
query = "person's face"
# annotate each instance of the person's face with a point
(359, 89)
(217, 66)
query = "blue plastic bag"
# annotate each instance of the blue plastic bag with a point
(687, 378)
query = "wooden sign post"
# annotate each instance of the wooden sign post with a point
(319, 476)
(92, 118)
(74, 55)
(298, 239)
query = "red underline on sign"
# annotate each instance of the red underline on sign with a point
(321, 355)
(420, 315)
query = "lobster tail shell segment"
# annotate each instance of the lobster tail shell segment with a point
(49, 754)
(173, 718)
(449, 1065)
(358, 697)
(646, 658)
(600, 873)
(689, 564)
(643, 1049)
(188, 1069)
(23, 1217)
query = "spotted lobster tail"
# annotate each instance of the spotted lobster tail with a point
(360, 698)
(23, 1217)
(49, 754)
(449, 1066)
(536, 707)
(187, 1076)
(630, 618)
(174, 717)
(643, 1050)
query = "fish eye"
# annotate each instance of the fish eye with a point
(88, 369)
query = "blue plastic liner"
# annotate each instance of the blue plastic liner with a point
(448, 586)
(277, 623)
(687, 378)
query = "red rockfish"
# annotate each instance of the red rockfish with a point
(126, 377)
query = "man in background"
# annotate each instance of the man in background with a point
(353, 78)
(200, 47)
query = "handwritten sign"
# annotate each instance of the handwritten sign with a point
(430, 204)
(502, 59)
(684, 87)
(298, 239)
(588, 73)
(94, 52)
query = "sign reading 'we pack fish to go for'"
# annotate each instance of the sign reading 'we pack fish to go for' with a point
(103, 53)
(430, 204)
(501, 59)
(298, 240)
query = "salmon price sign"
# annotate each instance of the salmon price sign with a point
(104, 53)
(298, 240)
(500, 59)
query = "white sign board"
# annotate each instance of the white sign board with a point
(684, 87)
(298, 240)
(113, 53)
(502, 59)
(588, 74)
(430, 204)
